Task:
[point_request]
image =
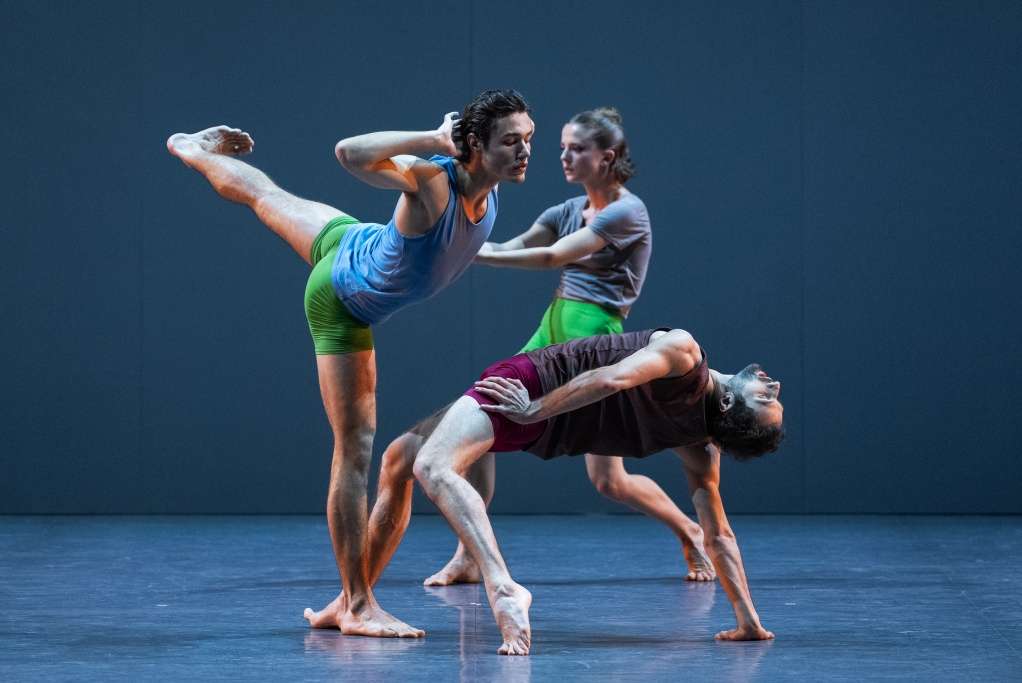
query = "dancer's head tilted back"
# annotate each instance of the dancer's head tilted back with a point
(495, 133)
(748, 418)
(594, 148)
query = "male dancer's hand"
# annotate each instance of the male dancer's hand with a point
(511, 396)
(449, 139)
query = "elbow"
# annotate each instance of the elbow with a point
(549, 259)
(343, 151)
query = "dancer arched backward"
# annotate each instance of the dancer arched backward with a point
(602, 242)
(634, 394)
(363, 272)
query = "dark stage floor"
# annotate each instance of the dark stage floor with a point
(203, 598)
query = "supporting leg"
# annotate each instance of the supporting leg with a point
(348, 386)
(461, 568)
(641, 493)
(391, 512)
(462, 437)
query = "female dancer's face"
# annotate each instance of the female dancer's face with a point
(580, 157)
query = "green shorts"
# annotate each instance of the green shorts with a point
(334, 330)
(566, 319)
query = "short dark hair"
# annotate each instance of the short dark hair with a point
(478, 116)
(740, 434)
(605, 126)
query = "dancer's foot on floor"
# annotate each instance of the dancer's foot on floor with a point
(510, 605)
(699, 566)
(461, 569)
(374, 621)
(215, 140)
(328, 616)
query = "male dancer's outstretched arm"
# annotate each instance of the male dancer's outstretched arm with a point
(670, 354)
(702, 468)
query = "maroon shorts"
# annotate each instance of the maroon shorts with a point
(508, 435)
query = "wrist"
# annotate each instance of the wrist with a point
(439, 142)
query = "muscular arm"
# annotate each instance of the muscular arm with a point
(702, 468)
(390, 160)
(577, 245)
(668, 355)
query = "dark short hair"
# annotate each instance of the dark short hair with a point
(605, 127)
(479, 115)
(740, 434)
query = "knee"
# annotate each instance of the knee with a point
(399, 458)
(608, 485)
(354, 448)
(429, 474)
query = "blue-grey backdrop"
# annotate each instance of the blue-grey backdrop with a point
(833, 187)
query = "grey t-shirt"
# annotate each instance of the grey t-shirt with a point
(613, 276)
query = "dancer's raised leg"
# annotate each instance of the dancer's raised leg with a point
(348, 386)
(212, 153)
(641, 493)
(463, 436)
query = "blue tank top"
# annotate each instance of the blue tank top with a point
(378, 270)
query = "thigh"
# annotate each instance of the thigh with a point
(334, 330)
(463, 436)
(577, 319)
(347, 383)
(298, 221)
(604, 466)
(541, 337)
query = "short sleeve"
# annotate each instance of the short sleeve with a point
(551, 218)
(622, 223)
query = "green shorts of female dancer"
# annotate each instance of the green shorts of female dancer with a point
(567, 319)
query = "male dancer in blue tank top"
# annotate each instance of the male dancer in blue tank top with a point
(633, 394)
(364, 272)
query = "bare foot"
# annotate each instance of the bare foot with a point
(374, 621)
(746, 633)
(327, 617)
(699, 566)
(461, 569)
(510, 605)
(215, 140)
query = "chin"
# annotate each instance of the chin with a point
(516, 178)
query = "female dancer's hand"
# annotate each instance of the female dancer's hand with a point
(511, 396)
(449, 139)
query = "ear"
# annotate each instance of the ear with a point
(474, 142)
(727, 401)
(608, 158)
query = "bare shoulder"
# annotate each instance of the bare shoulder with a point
(680, 349)
(701, 461)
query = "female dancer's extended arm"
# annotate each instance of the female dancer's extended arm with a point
(571, 248)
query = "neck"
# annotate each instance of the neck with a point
(474, 183)
(718, 383)
(601, 194)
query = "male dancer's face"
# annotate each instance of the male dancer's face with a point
(507, 154)
(761, 393)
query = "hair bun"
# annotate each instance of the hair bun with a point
(609, 113)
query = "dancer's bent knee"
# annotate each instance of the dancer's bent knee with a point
(334, 329)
